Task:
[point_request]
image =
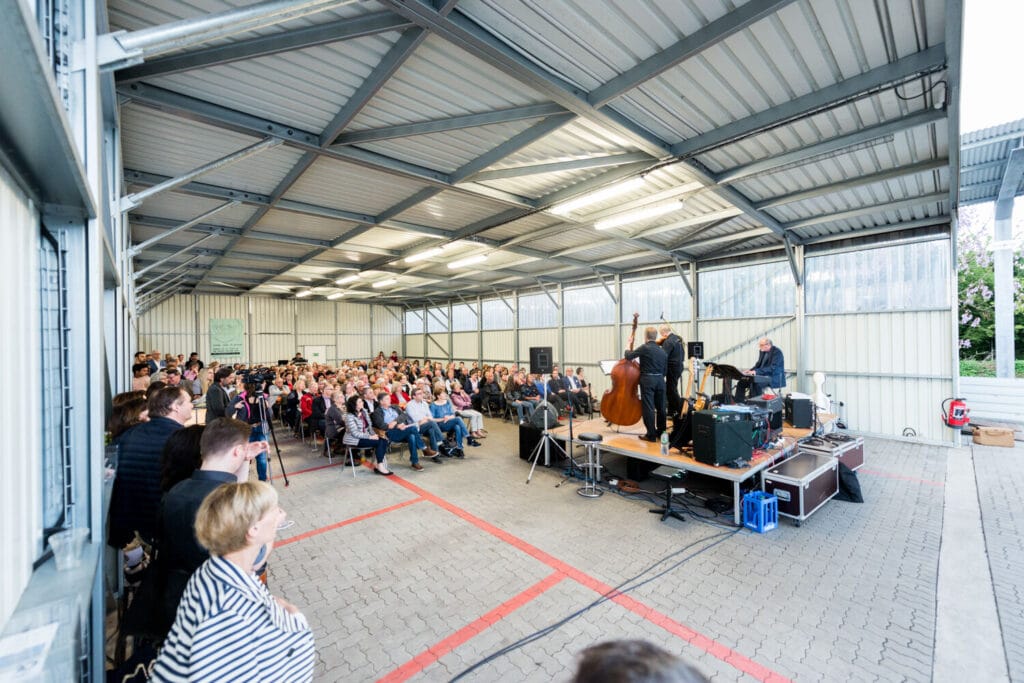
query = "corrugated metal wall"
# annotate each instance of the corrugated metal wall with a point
(500, 344)
(892, 370)
(170, 327)
(734, 341)
(464, 346)
(274, 328)
(542, 336)
(20, 486)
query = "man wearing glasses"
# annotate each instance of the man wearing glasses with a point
(768, 371)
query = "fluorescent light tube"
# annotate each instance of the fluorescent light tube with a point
(336, 295)
(384, 283)
(303, 293)
(638, 215)
(598, 196)
(468, 261)
(347, 278)
(423, 255)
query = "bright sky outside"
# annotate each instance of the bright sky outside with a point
(991, 93)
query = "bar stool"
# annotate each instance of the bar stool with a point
(591, 443)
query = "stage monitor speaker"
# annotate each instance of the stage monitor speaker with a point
(721, 437)
(695, 349)
(540, 360)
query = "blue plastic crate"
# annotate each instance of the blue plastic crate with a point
(760, 511)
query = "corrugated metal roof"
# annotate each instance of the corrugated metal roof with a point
(564, 55)
(983, 158)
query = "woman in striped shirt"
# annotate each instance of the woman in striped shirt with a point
(228, 626)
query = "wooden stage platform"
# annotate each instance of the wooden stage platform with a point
(625, 441)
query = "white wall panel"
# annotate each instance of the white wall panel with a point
(545, 336)
(270, 347)
(414, 346)
(170, 327)
(501, 345)
(354, 347)
(888, 406)
(464, 345)
(317, 317)
(273, 316)
(20, 487)
(588, 345)
(353, 318)
(387, 322)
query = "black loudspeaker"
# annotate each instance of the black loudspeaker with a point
(537, 416)
(540, 360)
(720, 437)
(695, 349)
(799, 411)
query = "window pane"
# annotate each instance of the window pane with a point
(588, 306)
(51, 389)
(414, 322)
(536, 310)
(437, 319)
(901, 277)
(752, 291)
(496, 315)
(655, 297)
(463, 317)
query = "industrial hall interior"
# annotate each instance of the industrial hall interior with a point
(507, 340)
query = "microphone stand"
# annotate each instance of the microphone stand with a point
(544, 445)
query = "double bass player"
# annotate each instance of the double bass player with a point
(653, 365)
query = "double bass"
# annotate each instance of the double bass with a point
(621, 404)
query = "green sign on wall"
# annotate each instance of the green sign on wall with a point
(227, 337)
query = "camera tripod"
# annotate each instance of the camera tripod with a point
(268, 426)
(546, 440)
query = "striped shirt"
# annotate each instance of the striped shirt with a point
(229, 628)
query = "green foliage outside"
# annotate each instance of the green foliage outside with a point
(986, 368)
(975, 284)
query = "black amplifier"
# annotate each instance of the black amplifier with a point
(799, 411)
(773, 406)
(721, 436)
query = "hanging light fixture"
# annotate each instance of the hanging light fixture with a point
(638, 215)
(384, 283)
(423, 255)
(601, 195)
(468, 261)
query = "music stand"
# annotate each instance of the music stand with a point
(727, 373)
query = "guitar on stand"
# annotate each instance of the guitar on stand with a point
(682, 426)
(702, 399)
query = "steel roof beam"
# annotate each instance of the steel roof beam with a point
(510, 146)
(243, 269)
(176, 228)
(915, 65)
(859, 181)
(262, 46)
(222, 117)
(835, 144)
(371, 85)
(987, 166)
(405, 130)
(1010, 182)
(866, 210)
(693, 44)
(560, 166)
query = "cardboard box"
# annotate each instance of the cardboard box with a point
(993, 436)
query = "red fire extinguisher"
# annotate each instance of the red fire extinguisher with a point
(955, 412)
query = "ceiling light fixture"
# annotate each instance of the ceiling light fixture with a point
(423, 255)
(638, 215)
(336, 295)
(347, 278)
(468, 261)
(303, 293)
(384, 283)
(598, 196)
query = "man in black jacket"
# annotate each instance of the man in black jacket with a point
(217, 399)
(135, 499)
(226, 454)
(653, 362)
(672, 344)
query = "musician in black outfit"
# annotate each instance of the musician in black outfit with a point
(672, 344)
(653, 364)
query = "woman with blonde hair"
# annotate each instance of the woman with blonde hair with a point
(228, 626)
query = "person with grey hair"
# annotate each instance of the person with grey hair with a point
(768, 371)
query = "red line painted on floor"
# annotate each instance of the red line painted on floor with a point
(889, 475)
(712, 647)
(346, 522)
(435, 652)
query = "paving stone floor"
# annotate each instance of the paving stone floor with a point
(423, 575)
